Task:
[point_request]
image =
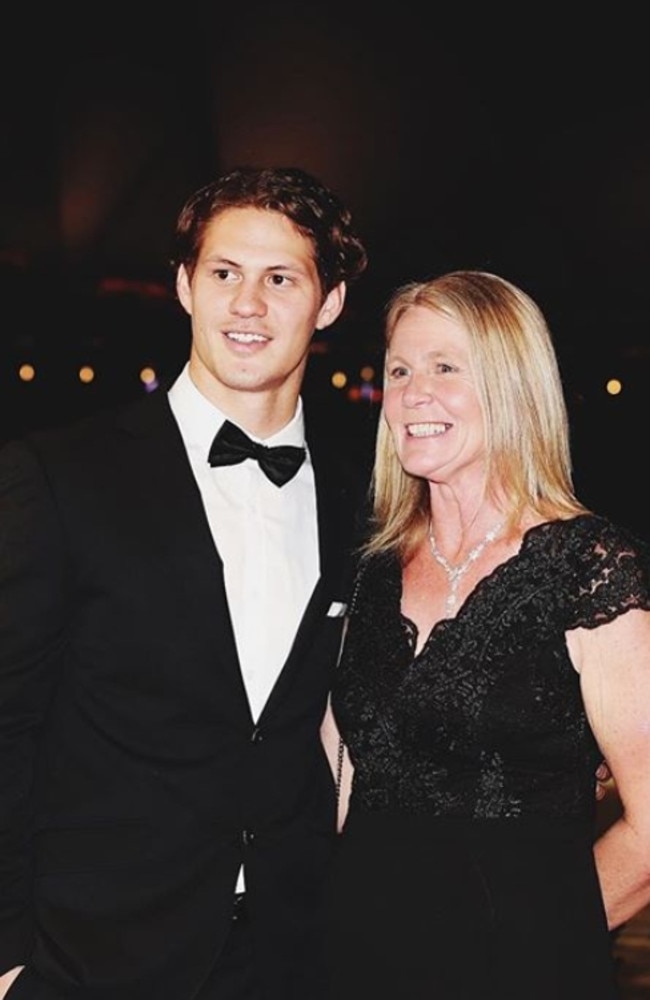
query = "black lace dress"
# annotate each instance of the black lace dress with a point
(465, 868)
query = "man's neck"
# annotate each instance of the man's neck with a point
(260, 413)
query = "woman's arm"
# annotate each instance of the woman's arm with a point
(339, 762)
(614, 665)
(7, 979)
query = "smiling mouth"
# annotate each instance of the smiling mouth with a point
(426, 430)
(241, 337)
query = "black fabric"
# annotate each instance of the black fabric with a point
(134, 781)
(466, 862)
(233, 977)
(231, 446)
(30, 986)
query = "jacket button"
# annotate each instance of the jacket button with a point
(248, 837)
(256, 736)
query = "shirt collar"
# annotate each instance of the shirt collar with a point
(199, 419)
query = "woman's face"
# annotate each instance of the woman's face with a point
(430, 400)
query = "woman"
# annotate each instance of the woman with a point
(498, 649)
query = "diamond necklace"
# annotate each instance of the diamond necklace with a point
(456, 573)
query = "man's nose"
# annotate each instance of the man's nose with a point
(248, 299)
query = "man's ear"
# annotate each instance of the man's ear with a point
(332, 306)
(183, 289)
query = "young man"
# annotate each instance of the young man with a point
(171, 599)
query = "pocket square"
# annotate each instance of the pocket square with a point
(337, 609)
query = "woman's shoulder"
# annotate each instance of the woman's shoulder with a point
(587, 532)
(603, 569)
(375, 573)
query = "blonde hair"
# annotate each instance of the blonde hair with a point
(519, 386)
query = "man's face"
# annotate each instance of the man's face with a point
(254, 300)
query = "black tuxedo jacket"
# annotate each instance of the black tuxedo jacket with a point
(134, 780)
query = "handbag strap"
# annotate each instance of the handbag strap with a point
(339, 768)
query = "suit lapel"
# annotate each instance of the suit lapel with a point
(341, 490)
(155, 463)
(177, 527)
(339, 493)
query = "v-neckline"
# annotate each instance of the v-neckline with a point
(445, 623)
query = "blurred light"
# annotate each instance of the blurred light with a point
(339, 380)
(367, 373)
(86, 374)
(614, 386)
(26, 373)
(149, 379)
(354, 393)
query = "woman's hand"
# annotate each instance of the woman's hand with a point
(603, 779)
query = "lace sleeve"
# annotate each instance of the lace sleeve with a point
(612, 573)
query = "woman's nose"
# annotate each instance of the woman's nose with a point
(418, 391)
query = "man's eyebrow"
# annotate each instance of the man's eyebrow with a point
(215, 258)
(269, 268)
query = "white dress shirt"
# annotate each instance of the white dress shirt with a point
(267, 537)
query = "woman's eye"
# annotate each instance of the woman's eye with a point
(397, 371)
(278, 280)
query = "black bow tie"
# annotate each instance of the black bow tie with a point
(232, 446)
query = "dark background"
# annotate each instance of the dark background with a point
(513, 141)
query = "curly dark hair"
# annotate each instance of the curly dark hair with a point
(316, 211)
